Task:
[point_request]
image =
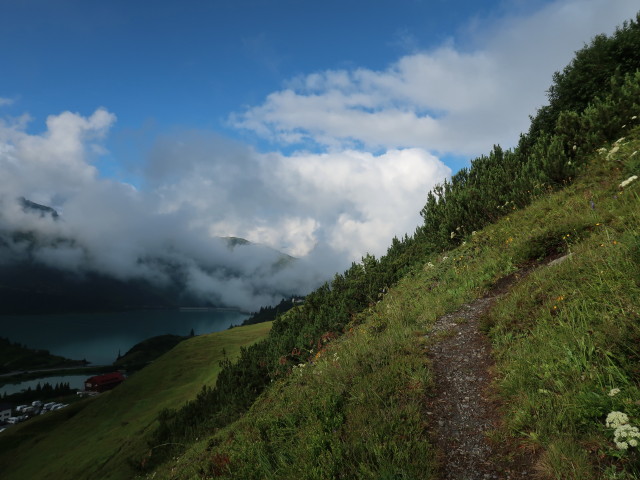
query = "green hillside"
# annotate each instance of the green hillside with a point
(97, 438)
(342, 386)
(563, 338)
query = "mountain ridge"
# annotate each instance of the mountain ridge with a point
(29, 285)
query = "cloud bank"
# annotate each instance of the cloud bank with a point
(368, 145)
(327, 209)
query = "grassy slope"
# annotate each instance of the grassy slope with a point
(97, 437)
(564, 337)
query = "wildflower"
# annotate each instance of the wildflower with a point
(453, 234)
(632, 178)
(430, 265)
(575, 147)
(612, 151)
(616, 419)
(625, 436)
(622, 445)
(633, 154)
(464, 243)
(634, 117)
(618, 140)
(445, 258)
(602, 150)
(613, 392)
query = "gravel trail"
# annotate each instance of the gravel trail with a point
(462, 411)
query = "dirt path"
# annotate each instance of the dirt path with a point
(462, 411)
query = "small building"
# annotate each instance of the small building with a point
(5, 411)
(102, 383)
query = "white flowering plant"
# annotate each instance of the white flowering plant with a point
(625, 435)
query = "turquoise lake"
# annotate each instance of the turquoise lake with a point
(99, 337)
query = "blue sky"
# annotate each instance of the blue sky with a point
(316, 128)
(191, 64)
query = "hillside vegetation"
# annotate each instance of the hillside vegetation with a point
(99, 437)
(341, 381)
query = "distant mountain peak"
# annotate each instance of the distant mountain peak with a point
(42, 210)
(236, 241)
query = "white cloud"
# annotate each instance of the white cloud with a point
(444, 99)
(6, 101)
(360, 199)
(329, 208)
(55, 163)
(351, 201)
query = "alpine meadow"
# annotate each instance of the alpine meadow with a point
(525, 273)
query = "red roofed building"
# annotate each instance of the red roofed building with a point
(101, 383)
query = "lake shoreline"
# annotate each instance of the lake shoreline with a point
(100, 338)
(22, 376)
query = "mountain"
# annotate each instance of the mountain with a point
(42, 210)
(30, 282)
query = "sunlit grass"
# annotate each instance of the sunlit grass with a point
(98, 438)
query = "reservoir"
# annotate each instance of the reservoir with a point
(99, 337)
